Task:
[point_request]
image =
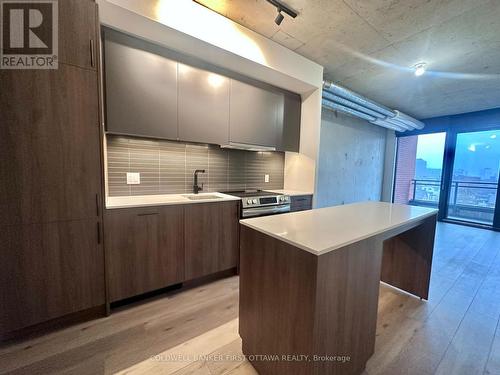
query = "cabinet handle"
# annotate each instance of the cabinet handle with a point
(97, 204)
(92, 58)
(98, 233)
(148, 214)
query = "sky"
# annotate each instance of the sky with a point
(474, 152)
(430, 147)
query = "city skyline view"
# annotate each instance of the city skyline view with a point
(477, 156)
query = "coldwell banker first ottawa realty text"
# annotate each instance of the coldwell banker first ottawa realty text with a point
(29, 34)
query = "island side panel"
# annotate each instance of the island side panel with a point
(407, 258)
(277, 301)
(347, 302)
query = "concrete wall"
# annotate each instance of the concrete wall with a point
(351, 160)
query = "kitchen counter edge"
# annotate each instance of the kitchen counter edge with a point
(138, 201)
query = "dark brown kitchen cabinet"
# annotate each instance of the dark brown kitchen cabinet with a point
(255, 115)
(141, 88)
(301, 203)
(203, 106)
(49, 145)
(211, 238)
(49, 270)
(145, 249)
(51, 256)
(78, 34)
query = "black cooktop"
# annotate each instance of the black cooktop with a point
(249, 193)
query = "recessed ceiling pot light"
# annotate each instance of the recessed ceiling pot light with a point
(420, 68)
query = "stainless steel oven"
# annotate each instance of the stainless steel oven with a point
(261, 203)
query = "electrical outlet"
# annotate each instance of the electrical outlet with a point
(266, 178)
(133, 178)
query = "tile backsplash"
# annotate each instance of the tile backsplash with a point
(167, 167)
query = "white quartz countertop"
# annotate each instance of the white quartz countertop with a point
(292, 193)
(164, 200)
(322, 230)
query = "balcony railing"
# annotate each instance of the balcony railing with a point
(469, 200)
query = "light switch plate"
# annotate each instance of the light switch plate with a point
(133, 178)
(266, 178)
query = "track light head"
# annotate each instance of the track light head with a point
(282, 8)
(279, 18)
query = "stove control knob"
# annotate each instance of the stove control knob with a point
(249, 201)
(254, 201)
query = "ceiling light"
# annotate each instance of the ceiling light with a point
(281, 7)
(279, 18)
(420, 68)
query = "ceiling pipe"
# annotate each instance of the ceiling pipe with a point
(377, 121)
(382, 120)
(339, 98)
(340, 107)
(401, 124)
(409, 120)
(348, 103)
(388, 125)
(353, 97)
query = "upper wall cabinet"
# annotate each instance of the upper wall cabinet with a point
(78, 41)
(255, 115)
(141, 89)
(150, 95)
(203, 106)
(290, 131)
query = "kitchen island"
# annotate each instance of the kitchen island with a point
(309, 282)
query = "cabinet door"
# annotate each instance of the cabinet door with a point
(290, 126)
(49, 145)
(203, 106)
(78, 33)
(254, 115)
(211, 238)
(49, 270)
(145, 249)
(141, 88)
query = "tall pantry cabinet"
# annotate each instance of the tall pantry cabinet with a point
(51, 252)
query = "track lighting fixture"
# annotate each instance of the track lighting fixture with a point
(282, 8)
(279, 18)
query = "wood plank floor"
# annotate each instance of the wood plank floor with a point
(195, 331)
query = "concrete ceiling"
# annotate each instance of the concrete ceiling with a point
(369, 45)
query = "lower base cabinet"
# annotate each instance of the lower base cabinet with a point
(144, 248)
(49, 270)
(156, 247)
(212, 238)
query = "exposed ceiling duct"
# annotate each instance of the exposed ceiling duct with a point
(338, 98)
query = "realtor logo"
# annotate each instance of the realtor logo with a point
(28, 34)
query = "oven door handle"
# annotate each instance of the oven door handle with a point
(259, 211)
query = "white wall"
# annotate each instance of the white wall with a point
(351, 160)
(187, 27)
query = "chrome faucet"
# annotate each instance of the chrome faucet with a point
(196, 188)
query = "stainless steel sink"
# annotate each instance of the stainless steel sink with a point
(197, 197)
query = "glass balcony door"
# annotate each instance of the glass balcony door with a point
(419, 169)
(473, 184)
